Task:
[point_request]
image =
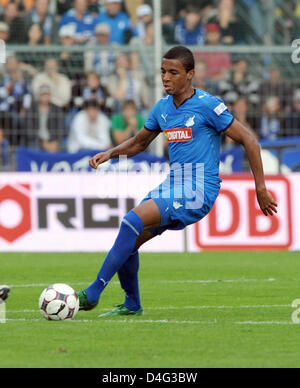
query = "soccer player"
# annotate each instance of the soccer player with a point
(4, 293)
(193, 122)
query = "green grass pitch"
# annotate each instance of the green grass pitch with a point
(225, 309)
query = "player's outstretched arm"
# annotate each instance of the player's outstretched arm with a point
(242, 135)
(131, 147)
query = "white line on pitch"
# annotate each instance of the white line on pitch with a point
(219, 281)
(209, 281)
(43, 285)
(265, 323)
(186, 308)
(218, 307)
(161, 321)
(120, 321)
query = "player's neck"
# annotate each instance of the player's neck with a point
(180, 98)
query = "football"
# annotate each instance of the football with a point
(59, 302)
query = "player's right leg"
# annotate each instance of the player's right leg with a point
(128, 276)
(4, 292)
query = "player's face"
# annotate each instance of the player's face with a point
(174, 76)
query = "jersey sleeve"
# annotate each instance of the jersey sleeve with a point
(217, 114)
(152, 123)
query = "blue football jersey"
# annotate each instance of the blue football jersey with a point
(193, 130)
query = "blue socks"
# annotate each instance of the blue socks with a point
(131, 227)
(128, 276)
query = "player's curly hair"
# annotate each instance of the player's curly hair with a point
(182, 54)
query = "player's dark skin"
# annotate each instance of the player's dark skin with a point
(178, 83)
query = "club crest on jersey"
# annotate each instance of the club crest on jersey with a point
(190, 121)
(178, 134)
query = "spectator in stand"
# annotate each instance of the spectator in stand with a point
(40, 15)
(240, 110)
(63, 6)
(17, 30)
(44, 123)
(201, 81)
(82, 19)
(4, 144)
(126, 124)
(118, 21)
(292, 120)
(168, 29)
(239, 82)
(270, 124)
(23, 5)
(180, 5)
(4, 152)
(90, 129)
(35, 35)
(218, 64)
(127, 83)
(233, 30)
(4, 31)
(225, 10)
(284, 22)
(94, 90)
(148, 39)
(276, 86)
(94, 7)
(70, 63)
(290, 20)
(15, 92)
(103, 61)
(13, 64)
(60, 85)
(189, 30)
(144, 15)
(15, 99)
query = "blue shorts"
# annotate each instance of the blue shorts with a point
(178, 210)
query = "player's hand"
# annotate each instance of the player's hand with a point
(266, 202)
(98, 159)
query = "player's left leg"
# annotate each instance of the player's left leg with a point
(144, 217)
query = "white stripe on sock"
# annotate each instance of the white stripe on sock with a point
(131, 227)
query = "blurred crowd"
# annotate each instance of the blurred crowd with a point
(183, 21)
(96, 97)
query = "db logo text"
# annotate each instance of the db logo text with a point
(236, 221)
